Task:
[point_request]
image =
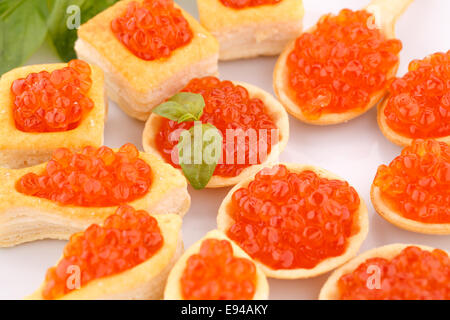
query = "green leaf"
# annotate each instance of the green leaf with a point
(193, 102)
(173, 111)
(183, 106)
(22, 31)
(199, 151)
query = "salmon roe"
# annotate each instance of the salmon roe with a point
(419, 104)
(417, 183)
(413, 274)
(290, 220)
(227, 106)
(126, 239)
(91, 178)
(51, 102)
(241, 4)
(340, 65)
(153, 29)
(215, 274)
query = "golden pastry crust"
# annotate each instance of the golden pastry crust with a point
(330, 290)
(135, 84)
(387, 212)
(273, 108)
(173, 287)
(393, 136)
(254, 31)
(20, 149)
(145, 281)
(224, 221)
(26, 218)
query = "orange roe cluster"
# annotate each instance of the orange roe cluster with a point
(241, 4)
(91, 178)
(126, 239)
(227, 106)
(51, 102)
(417, 183)
(340, 65)
(153, 29)
(419, 104)
(413, 274)
(291, 220)
(215, 274)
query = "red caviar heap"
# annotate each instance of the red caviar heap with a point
(50, 102)
(419, 104)
(92, 178)
(241, 4)
(153, 29)
(340, 65)
(215, 274)
(126, 239)
(417, 183)
(291, 220)
(413, 274)
(227, 106)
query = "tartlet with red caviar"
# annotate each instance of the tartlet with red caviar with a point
(129, 256)
(148, 49)
(413, 191)
(73, 190)
(295, 221)
(236, 106)
(418, 104)
(50, 106)
(247, 29)
(392, 272)
(214, 268)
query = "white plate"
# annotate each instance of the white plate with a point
(353, 151)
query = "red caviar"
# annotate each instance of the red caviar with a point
(227, 106)
(413, 274)
(419, 104)
(340, 65)
(153, 29)
(241, 4)
(91, 178)
(417, 183)
(215, 274)
(50, 102)
(126, 239)
(291, 220)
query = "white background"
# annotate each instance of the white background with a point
(353, 151)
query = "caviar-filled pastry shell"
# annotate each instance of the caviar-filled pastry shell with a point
(267, 106)
(204, 251)
(332, 291)
(328, 85)
(412, 192)
(142, 69)
(285, 215)
(251, 30)
(143, 277)
(44, 107)
(25, 217)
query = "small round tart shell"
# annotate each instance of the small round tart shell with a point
(330, 290)
(385, 210)
(224, 222)
(144, 281)
(273, 108)
(173, 287)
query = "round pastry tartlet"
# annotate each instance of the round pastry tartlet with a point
(392, 272)
(413, 191)
(237, 110)
(128, 257)
(418, 106)
(296, 221)
(215, 268)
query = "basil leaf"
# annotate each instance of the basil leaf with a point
(184, 106)
(193, 102)
(22, 31)
(199, 150)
